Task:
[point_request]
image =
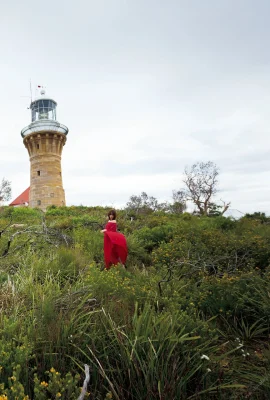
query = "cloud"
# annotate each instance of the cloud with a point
(145, 88)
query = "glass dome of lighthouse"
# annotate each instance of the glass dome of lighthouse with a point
(43, 116)
(43, 108)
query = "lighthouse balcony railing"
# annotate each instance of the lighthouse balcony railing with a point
(44, 126)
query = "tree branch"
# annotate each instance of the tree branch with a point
(85, 383)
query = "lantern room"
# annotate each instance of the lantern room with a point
(43, 108)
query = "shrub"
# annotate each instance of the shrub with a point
(152, 238)
(214, 250)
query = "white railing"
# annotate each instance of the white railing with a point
(44, 126)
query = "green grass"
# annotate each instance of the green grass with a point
(205, 336)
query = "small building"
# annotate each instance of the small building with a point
(22, 200)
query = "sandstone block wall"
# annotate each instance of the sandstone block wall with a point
(46, 185)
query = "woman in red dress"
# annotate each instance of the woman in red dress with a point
(115, 244)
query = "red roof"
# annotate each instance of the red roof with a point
(22, 199)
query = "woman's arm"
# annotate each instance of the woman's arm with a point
(103, 230)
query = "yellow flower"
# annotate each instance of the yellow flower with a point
(58, 394)
(52, 370)
(109, 395)
(44, 384)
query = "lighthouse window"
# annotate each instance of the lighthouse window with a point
(39, 202)
(38, 172)
(43, 109)
(37, 146)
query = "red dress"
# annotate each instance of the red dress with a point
(115, 246)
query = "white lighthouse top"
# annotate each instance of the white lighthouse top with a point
(43, 107)
(42, 95)
(43, 116)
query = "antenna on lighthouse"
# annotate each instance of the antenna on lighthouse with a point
(31, 89)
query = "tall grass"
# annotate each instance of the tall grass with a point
(58, 311)
(153, 357)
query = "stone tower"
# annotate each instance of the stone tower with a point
(44, 139)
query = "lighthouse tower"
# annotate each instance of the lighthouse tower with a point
(44, 139)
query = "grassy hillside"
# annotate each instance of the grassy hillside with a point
(188, 319)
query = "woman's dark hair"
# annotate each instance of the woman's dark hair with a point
(112, 212)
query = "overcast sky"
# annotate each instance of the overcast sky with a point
(146, 87)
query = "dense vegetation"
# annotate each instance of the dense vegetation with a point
(188, 319)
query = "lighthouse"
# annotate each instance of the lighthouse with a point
(44, 139)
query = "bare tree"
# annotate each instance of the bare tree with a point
(201, 181)
(5, 190)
